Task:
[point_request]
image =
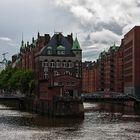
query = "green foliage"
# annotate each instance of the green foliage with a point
(15, 79)
(5, 75)
(25, 80)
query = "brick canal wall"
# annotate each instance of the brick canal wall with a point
(57, 107)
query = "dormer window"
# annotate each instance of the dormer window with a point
(60, 50)
(49, 50)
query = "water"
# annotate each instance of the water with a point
(102, 122)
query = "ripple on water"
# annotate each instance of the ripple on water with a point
(100, 123)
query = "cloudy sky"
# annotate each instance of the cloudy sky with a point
(97, 23)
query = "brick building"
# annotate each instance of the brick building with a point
(131, 50)
(118, 69)
(107, 69)
(106, 73)
(89, 76)
(119, 82)
(56, 62)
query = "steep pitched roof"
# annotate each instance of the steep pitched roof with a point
(76, 45)
(56, 41)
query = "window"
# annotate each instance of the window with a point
(52, 64)
(58, 52)
(63, 52)
(45, 69)
(58, 64)
(55, 83)
(45, 64)
(49, 52)
(77, 75)
(64, 64)
(45, 75)
(76, 63)
(67, 73)
(69, 64)
(56, 73)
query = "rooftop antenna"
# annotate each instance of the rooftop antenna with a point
(22, 36)
(4, 54)
(4, 61)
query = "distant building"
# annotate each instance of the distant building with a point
(107, 69)
(89, 77)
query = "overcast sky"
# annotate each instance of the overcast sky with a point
(97, 23)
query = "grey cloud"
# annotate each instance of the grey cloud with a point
(99, 22)
(91, 55)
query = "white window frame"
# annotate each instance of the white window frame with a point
(45, 64)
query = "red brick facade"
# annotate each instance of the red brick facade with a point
(56, 62)
(131, 43)
(118, 69)
(89, 76)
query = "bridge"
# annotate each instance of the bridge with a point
(101, 97)
(12, 100)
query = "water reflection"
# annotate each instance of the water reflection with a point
(102, 121)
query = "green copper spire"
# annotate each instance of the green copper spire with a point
(76, 45)
(114, 46)
(22, 42)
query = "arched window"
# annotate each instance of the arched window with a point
(49, 50)
(45, 63)
(52, 64)
(64, 64)
(58, 64)
(69, 64)
(60, 50)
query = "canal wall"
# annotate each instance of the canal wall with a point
(58, 107)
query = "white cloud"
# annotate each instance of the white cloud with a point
(5, 39)
(105, 36)
(85, 13)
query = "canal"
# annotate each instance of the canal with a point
(102, 121)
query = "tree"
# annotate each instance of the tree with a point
(26, 81)
(13, 82)
(17, 79)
